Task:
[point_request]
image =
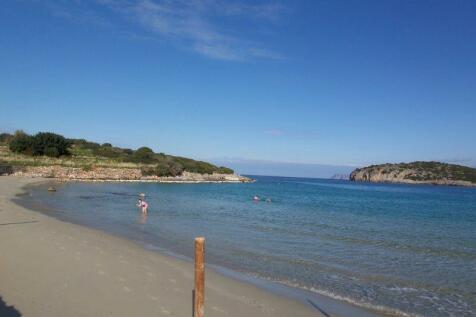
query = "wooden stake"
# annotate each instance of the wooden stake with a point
(199, 294)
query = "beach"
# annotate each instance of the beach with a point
(53, 268)
(309, 247)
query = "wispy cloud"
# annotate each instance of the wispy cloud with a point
(211, 28)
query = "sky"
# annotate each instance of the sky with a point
(292, 88)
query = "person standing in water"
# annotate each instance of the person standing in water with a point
(141, 203)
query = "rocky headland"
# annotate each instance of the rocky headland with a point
(435, 173)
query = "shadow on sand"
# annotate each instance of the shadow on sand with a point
(8, 311)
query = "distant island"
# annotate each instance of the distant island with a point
(51, 155)
(436, 173)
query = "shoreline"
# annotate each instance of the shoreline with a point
(159, 181)
(231, 280)
(54, 268)
(114, 174)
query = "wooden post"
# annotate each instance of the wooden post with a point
(199, 293)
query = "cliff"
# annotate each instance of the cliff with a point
(417, 173)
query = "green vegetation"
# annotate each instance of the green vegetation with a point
(143, 155)
(426, 171)
(435, 170)
(5, 138)
(43, 143)
(21, 143)
(45, 149)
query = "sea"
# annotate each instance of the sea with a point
(399, 250)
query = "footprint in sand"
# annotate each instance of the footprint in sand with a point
(165, 311)
(220, 310)
(126, 289)
(120, 279)
(152, 297)
(178, 290)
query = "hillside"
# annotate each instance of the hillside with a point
(52, 155)
(417, 173)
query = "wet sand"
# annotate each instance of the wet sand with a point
(52, 268)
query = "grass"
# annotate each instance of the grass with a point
(81, 159)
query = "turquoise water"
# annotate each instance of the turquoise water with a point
(400, 249)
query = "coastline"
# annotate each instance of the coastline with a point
(110, 174)
(54, 268)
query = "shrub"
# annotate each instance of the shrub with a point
(84, 144)
(5, 137)
(107, 151)
(50, 144)
(147, 171)
(51, 151)
(224, 170)
(87, 168)
(143, 155)
(168, 168)
(21, 143)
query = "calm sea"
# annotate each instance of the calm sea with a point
(401, 249)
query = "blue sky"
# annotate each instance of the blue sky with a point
(250, 84)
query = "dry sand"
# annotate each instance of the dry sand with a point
(52, 268)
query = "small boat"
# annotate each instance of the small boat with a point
(51, 189)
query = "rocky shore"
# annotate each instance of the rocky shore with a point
(433, 173)
(117, 174)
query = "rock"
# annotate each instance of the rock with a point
(435, 173)
(123, 174)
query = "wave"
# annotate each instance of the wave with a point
(373, 307)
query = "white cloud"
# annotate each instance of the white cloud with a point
(196, 25)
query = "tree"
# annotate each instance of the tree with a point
(21, 142)
(5, 137)
(224, 170)
(50, 144)
(168, 168)
(144, 155)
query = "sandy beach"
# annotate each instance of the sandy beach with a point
(52, 268)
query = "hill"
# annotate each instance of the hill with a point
(417, 173)
(52, 155)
